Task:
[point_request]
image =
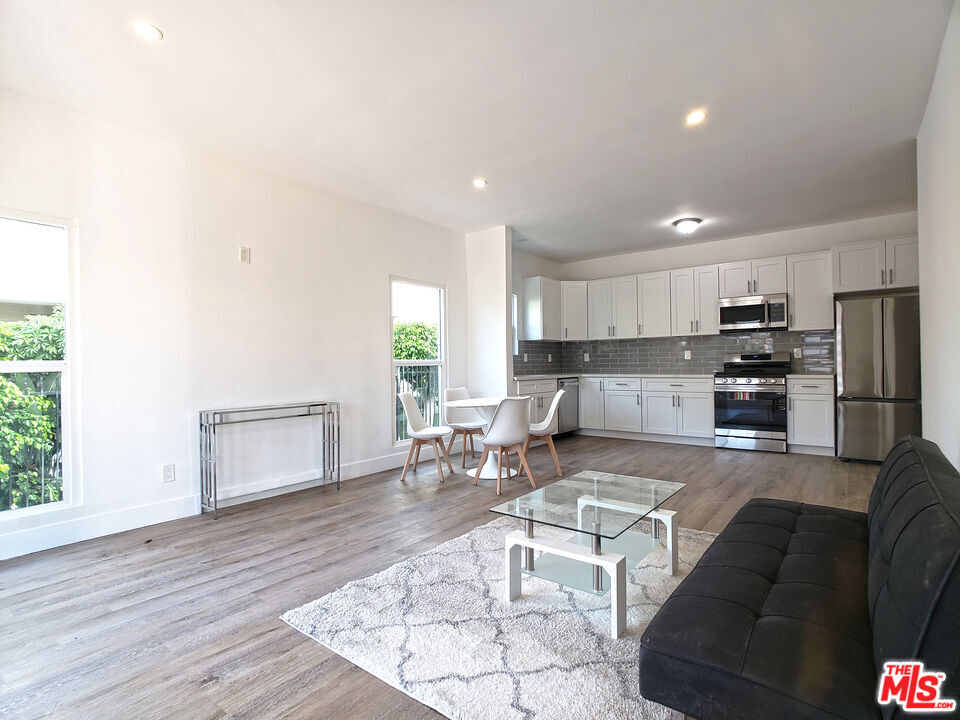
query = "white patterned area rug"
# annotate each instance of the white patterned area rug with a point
(436, 626)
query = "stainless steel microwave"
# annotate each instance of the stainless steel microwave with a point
(754, 312)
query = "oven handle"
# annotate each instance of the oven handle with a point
(752, 389)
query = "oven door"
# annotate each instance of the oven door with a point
(751, 412)
(745, 313)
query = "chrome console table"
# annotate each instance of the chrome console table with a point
(210, 420)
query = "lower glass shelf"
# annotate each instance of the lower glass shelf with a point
(574, 574)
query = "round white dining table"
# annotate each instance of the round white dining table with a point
(486, 406)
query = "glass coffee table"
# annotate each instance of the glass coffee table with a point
(600, 508)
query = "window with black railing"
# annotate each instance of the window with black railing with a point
(418, 350)
(33, 289)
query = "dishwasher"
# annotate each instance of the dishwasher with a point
(569, 411)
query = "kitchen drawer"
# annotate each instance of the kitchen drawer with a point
(621, 383)
(679, 384)
(532, 387)
(810, 386)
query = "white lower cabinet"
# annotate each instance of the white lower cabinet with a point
(621, 410)
(695, 414)
(660, 412)
(810, 420)
(591, 403)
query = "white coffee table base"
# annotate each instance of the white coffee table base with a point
(614, 564)
(489, 469)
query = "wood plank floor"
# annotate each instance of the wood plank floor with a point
(180, 620)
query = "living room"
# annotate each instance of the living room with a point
(312, 210)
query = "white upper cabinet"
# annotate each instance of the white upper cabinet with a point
(574, 310)
(810, 291)
(653, 295)
(753, 277)
(735, 279)
(599, 309)
(682, 306)
(903, 262)
(876, 264)
(541, 309)
(612, 308)
(707, 297)
(860, 266)
(693, 301)
(624, 315)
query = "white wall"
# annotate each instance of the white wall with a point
(172, 323)
(490, 334)
(784, 242)
(938, 186)
(526, 265)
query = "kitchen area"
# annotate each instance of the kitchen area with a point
(814, 353)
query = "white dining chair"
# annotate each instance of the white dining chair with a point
(509, 427)
(423, 434)
(465, 422)
(545, 430)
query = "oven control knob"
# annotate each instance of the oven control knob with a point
(763, 380)
(724, 380)
(748, 380)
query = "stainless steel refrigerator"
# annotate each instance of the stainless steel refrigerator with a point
(878, 374)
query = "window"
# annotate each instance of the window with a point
(33, 362)
(419, 364)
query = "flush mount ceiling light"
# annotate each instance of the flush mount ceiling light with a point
(479, 183)
(697, 117)
(685, 226)
(148, 32)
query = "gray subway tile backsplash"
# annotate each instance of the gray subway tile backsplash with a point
(666, 354)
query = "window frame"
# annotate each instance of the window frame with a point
(441, 363)
(67, 367)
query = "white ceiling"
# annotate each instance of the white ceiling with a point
(573, 110)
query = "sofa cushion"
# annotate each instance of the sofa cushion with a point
(914, 578)
(773, 621)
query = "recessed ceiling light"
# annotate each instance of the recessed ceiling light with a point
(479, 183)
(685, 226)
(696, 117)
(147, 31)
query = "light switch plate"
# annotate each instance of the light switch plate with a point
(549, 357)
(798, 353)
(169, 473)
(245, 255)
(687, 355)
(524, 357)
(586, 357)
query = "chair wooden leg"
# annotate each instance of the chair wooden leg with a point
(499, 467)
(506, 459)
(553, 451)
(406, 465)
(446, 455)
(463, 450)
(472, 452)
(526, 445)
(416, 458)
(453, 437)
(483, 459)
(523, 461)
(437, 444)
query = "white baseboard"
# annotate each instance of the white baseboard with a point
(652, 437)
(811, 450)
(71, 530)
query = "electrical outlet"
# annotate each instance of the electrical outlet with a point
(586, 357)
(245, 258)
(524, 357)
(798, 353)
(549, 357)
(687, 355)
(169, 473)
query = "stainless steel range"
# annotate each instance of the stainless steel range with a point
(750, 402)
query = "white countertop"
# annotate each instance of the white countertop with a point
(554, 376)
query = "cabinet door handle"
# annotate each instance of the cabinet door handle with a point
(691, 326)
(791, 319)
(639, 329)
(638, 399)
(881, 277)
(790, 405)
(814, 387)
(891, 276)
(756, 285)
(673, 401)
(613, 332)
(565, 332)
(748, 286)
(697, 325)
(676, 384)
